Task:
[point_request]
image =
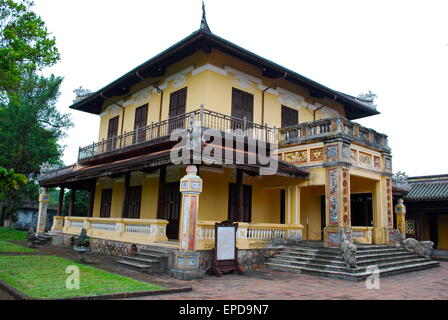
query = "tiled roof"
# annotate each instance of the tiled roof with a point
(428, 191)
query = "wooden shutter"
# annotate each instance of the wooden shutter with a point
(178, 105)
(290, 117)
(112, 131)
(140, 121)
(106, 203)
(134, 202)
(242, 105)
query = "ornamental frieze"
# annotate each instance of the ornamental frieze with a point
(332, 152)
(377, 162)
(365, 159)
(297, 157)
(317, 154)
(333, 195)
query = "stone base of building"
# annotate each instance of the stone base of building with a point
(186, 266)
(332, 235)
(249, 259)
(109, 247)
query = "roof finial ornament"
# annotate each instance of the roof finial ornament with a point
(204, 25)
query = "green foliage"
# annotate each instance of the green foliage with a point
(7, 234)
(10, 181)
(81, 208)
(30, 126)
(44, 277)
(25, 44)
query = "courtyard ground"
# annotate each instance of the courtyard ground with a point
(429, 284)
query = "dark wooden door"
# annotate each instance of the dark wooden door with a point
(282, 206)
(361, 209)
(247, 203)
(112, 131)
(106, 203)
(178, 104)
(134, 202)
(171, 209)
(140, 122)
(242, 108)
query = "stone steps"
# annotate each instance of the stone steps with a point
(147, 260)
(328, 262)
(381, 265)
(350, 276)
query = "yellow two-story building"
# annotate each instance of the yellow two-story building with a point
(331, 174)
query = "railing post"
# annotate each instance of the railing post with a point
(201, 115)
(152, 129)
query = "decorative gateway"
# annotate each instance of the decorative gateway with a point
(225, 253)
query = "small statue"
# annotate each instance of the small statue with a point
(83, 240)
(31, 238)
(82, 245)
(348, 250)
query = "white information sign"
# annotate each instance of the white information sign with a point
(225, 246)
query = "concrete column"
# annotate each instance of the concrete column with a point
(400, 211)
(44, 199)
(338, 213)
(60, 201)
(383, 222)
(187, 258)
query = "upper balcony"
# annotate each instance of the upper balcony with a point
(156, 136)
(331, 128)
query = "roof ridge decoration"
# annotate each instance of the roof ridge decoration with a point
(204, 24)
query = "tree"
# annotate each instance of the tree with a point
(30, 126)
(25, 44)
(81, 207)
(10, 183)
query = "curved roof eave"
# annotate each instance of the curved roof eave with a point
(355, 109)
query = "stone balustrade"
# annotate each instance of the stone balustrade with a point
(249, 235)
(332, 127)
(58, 224)
(140, 231)
(362, 234)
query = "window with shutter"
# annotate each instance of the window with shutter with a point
(140, 122)
(106, 203)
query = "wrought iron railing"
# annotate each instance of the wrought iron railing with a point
(206, 119)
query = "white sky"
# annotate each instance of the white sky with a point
(397, 49)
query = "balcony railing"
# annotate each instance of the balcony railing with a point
(330, 127)
(207, 119)
(160, 131)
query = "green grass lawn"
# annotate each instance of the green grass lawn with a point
(6, 246)
(45, 277)
(12, 234)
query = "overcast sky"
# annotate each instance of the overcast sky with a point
(397, 49)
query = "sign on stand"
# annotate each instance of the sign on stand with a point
(225, 253)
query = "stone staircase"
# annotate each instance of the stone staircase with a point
(151, 259)
(318, 260)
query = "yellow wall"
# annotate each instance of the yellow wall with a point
(150, 193)
(214, 198)
(149, 198)
(310, 207)
(214, 90)
(442, 223)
